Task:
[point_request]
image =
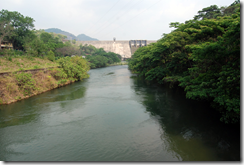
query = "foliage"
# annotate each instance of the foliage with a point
(213, 11)
(9, 58)
(35, 48)
(58, 73)
(6, 30)
(51, 41)
(39, 43)
(22, 27)
(97, 61)
(209, 12)
(25, 82)
(73, 41)
(202, 55)
(51, 56)
(98, 57)
(74, 67)
(67, 51)
(216, 72)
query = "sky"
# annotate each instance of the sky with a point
(106, 19)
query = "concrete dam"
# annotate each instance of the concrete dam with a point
(123, 48)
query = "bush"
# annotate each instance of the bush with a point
(26, 82)
(58, 73)
(74, 67)
(51, 56)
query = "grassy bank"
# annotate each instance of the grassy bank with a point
(20, 85)
(18, 63)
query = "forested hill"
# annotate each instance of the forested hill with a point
(80, 37)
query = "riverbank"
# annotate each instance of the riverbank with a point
(20, 63)
(114, 64)
(40, 81)
(119, 63)
(22, 84)
(22, 77)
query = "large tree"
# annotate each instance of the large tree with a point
(5, 30)
(203, 56)
(22, 25)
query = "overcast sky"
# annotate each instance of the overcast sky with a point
(105, 19)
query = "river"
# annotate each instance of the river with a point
(115, 116)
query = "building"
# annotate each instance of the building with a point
(6, 45)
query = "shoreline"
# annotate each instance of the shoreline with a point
(11, 92)
(26, 97)
(8, 96)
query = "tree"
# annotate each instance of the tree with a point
(6, 29)
(36, 47)
(209, 12)
(202, 56)
(68, 51)
(23, 27)
(228, 11)
(73, 41)
(236, 2)
(51, 56)
(46, 37)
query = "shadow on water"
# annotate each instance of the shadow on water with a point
(27, 114)
(191, 128)
(115, 116)
(28, 110)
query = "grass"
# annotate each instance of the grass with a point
(12, 89)
(24, 63)
(15, 86)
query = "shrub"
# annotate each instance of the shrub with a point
(75, 67)
(51, 56)
(36, 67)
(26, 82)
(58, 73)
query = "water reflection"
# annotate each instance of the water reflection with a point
(191, 128)
(21, 122)
(27, 110)
(114, 116)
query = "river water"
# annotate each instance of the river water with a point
(115, 116)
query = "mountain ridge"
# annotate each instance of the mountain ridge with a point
(70, 36)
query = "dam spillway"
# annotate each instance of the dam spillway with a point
(124, 48)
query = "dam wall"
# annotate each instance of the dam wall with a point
(119, 47)
(122, 48)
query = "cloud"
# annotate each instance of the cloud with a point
(180, 10)
(106, 19)
(17, 2)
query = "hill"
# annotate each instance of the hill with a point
(81, 37)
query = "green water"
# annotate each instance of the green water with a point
(114, 116)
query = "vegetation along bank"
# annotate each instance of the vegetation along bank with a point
(34, 61)
(201, 55)
(19, 84)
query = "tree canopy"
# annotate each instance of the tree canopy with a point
(23, 27)
(201, 55)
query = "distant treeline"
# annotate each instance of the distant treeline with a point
(98, 57)
(201, 55)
